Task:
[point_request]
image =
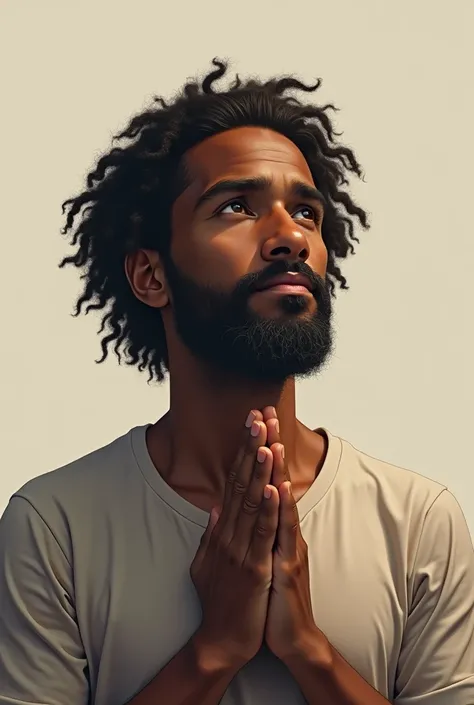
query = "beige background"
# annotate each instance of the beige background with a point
(401, 385)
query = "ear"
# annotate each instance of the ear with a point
(145, 273)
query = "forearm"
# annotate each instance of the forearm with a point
(192, 676)
(324, 676)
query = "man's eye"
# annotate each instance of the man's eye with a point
(307, 213)
(236, 206)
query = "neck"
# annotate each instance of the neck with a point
(195, 443)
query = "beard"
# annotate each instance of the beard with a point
(222, 330)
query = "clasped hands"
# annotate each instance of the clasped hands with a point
(251, 569)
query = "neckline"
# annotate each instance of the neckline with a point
(305, 504)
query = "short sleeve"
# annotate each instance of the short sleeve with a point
(436, 663)
(42, 659)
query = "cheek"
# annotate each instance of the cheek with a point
(220, 260)
(318, 259)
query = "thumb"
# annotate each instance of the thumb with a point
(213, 519)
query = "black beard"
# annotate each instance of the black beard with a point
(222, 330)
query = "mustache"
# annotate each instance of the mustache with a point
(252, 282)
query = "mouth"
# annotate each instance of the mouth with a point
(288, 284)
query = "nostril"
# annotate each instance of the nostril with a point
(281, 251)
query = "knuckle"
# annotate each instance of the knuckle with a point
(262, 529)
(232, 556)
(256, 572)
(239, 488)
(292, 570)
(253, 570)
(249, 506)
(287, 568)
(231, 477)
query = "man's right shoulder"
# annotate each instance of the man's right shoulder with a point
(81, 486)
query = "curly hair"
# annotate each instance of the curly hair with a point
(127, 203)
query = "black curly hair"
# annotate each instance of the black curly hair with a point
(127, 203)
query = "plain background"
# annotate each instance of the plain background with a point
(401, 384)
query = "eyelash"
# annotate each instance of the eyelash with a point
(316, 215)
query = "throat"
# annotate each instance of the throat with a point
(197, 487)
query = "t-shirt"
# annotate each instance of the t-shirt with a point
(96, 595)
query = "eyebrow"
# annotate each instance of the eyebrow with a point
(257, 184)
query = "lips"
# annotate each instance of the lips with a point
(288, 279)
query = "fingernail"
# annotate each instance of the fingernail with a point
(255, 430)
(277, 426)
(267, 492)
(283, 452)
(261, 455)
(250, 419)
(274, 411)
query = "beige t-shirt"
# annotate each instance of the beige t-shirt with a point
(96, 597)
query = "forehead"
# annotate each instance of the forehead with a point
(245, 151)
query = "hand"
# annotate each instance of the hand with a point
(290, 623)
(232, 570)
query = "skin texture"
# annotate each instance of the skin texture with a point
(208, 409)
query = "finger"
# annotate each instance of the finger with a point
(269, 412)
(257, 437)
(280, 472)
(280, 468)
(288, 525)
(252, 502)
(265, 529)
(273, 430)
(254, 415)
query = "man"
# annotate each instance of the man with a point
(227, 553)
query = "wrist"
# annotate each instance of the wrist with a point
(311, 649)
(211, 660)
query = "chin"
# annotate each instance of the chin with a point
(287, 305)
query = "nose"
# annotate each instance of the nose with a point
(285, 239)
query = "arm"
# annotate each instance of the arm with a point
(192, 676)
(42, 657)
(436, 663)
(325, 677)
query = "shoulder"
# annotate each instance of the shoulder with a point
(399, 487)
(80, 493)
(418, 512)
(399, 504)
(93, 469)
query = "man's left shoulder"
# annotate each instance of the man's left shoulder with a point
(398, 485)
